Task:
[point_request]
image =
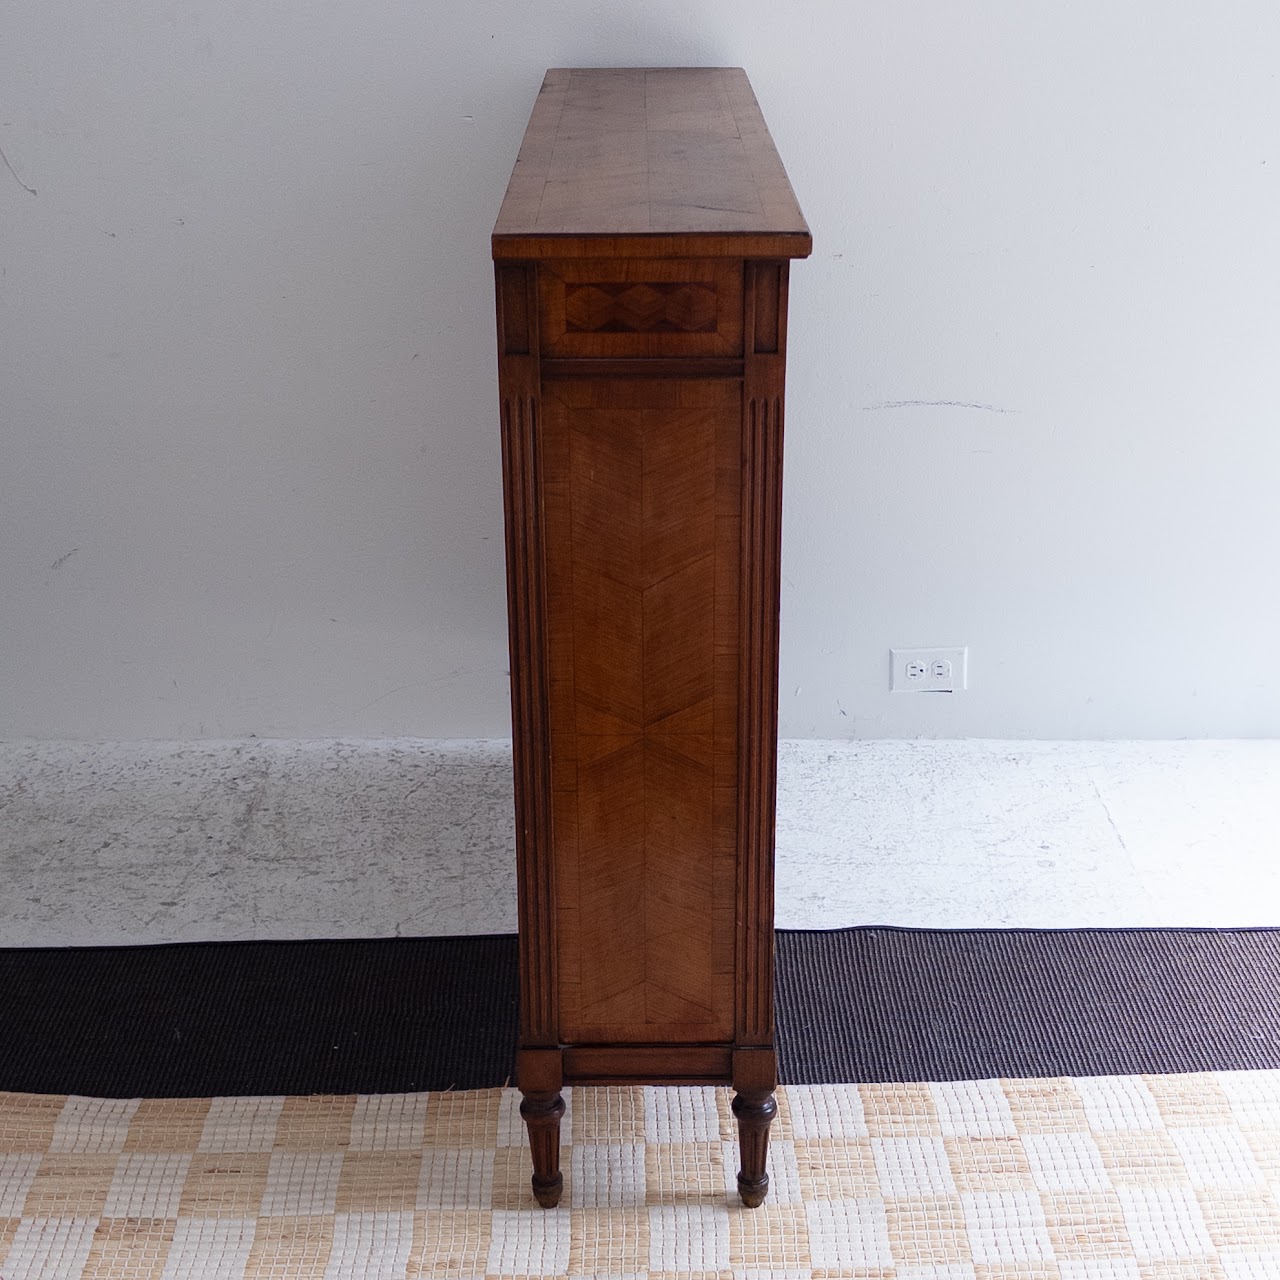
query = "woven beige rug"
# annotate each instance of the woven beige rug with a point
(1117, 1178)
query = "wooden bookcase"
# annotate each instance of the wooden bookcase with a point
(641, 260)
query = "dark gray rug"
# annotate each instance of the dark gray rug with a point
(880, 1004)
(407, 1014)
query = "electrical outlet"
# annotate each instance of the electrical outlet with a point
(928, 670)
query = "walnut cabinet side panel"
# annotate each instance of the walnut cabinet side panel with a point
(643, 508)
(643, 498)
(641, 489)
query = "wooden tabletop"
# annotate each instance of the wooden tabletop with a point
(649, 162)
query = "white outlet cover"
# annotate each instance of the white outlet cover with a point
(912, 670)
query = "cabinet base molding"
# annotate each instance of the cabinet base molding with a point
(643, 1064)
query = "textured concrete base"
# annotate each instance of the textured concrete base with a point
(159, 841)
(170, 841)
(974, 834)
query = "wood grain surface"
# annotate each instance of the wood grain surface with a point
(642, 258)
(649, 162)
(653, 307)
(642, 483)
(519, 389)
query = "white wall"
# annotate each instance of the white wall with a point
(248, 390)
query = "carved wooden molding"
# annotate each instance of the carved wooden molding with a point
(527, 626)
(758, 713)
(761, 572)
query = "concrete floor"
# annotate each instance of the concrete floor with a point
(142, 842)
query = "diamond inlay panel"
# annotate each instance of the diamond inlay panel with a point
(659, 307)
(640, 308)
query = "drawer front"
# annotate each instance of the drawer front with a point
(678, 307)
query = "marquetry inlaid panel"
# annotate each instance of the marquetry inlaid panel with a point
(641, 492)
(641, 307)
(645, 308)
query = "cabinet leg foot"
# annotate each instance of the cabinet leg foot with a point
(541, 1113)
(755, 1109)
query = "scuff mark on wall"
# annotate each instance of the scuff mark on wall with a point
(12, 170)
(935, 404)
(62, 559)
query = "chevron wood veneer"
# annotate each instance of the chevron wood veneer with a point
(642, 484)
(641, 262)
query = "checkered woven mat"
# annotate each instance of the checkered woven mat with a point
(1099, 1178)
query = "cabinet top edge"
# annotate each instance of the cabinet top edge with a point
(507, 248)
(621, 157)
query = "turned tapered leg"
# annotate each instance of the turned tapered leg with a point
(755, 1109)
(541, 1113)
